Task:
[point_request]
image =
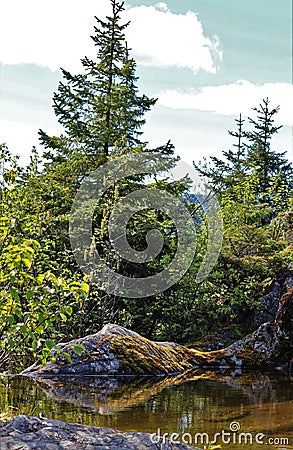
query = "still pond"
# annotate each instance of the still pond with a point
(236, 411)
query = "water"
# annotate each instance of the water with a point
(190, 403)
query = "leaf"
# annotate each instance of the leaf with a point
(85, 287)
(10, 320)
(68, 310)
(50, 344)
(40, 278)
(27, 262)
(29, 294)
(78, 349)
(11, 343)
(63, 317)
(67, 356)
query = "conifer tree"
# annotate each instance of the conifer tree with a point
(222, 173)
(253, 166)
(102, 114)
(271, 171)
(101, 110)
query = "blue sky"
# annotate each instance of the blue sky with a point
(205, 60)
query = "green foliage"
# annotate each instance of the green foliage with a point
(33, 306)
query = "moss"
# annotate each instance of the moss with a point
(7, 416)
(145, 357)
(102, 341)
(142, 357)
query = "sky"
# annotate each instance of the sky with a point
(206, 61)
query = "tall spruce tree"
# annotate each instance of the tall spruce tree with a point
(102, 114)
(101, 110)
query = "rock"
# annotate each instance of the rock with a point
(272, 342)
(117, 351)
(33, 433)
(269, 305)
(282, 348)
(270, 302)
(286, 279)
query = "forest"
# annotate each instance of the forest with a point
(45, 298)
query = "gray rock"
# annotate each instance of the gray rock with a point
(117, 351)
(272, 342)
(33, 433)
(270, 302)
(269, 305)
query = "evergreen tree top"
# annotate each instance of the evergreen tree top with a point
(263, 125)
(253, 162)
(101, 110)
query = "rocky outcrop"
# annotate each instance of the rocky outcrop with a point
(32, 433)
(269, 305)
(118, 351)
(270, 302)
(271, 345)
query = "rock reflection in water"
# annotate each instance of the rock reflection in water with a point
(193, 402)
(107, 395)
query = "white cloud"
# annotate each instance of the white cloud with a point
(57, 33)
(162, 6)
(161, 38)
(231, 99)
(50, 33)
(22, 136)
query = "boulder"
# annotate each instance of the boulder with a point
(33, 433)
(117, 351)
(269, 304)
